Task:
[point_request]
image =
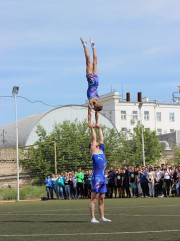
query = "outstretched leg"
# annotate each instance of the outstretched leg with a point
(87, 56)
(94, 65)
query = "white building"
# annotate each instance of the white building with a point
(159, 117)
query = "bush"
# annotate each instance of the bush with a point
(8, 194)
(26, 192)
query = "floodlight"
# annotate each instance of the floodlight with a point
(15, 90)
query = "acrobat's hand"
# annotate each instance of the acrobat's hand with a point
(98, 126)
(91, 126)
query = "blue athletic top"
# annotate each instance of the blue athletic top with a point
(99, 162)
(93, 82)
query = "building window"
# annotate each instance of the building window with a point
(171, 117)
(159, 131)
(134, 115)
(172, 130)
(123, 115)
(124, 131)
(146, 115)
(158, 116)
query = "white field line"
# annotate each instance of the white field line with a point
(82, 234)
(87, 214)
(107, 208)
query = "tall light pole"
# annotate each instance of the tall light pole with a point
(15, 91)
(142, 133)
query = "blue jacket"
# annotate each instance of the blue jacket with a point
(49, 182)
(143, 177)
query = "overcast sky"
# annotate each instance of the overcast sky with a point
(40, 50)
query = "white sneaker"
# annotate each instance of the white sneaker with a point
(93, 220)
(84, 43)
(92, 43)
(104, 220)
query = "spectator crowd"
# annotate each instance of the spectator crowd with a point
(127, 182)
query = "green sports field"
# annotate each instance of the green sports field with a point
(132, 219)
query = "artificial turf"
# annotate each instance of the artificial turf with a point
(132, 219)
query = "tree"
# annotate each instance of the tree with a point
(152, 147)
(176, 150)
(113, 141)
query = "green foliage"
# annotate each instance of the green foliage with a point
(152, 147)
(35, 160)
(113, 141)
(8, 194)
(27, 192)
(176, 150)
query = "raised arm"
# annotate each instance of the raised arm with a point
(93, 136)
(100, 133)
(97, 117)
(89, 116)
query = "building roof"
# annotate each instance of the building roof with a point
(28, 126)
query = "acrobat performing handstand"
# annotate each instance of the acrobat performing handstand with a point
(93, 82)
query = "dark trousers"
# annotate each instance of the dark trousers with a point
(85, 190)
(167, 187)
(145, 189)
(128, 193)
(79, 187)
(158, 188)
(110, 189)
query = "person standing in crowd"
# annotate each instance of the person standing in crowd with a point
(159, 182)
(144, 182)
(49, 186)
(86, 184)
(138, 182)
(167, 181)
(106, 178)
(127, 182)
(133, 182)
(98, 181)
(178, 182)
(79, 176)
(59, 187)
(90, 176)
(54, 177)
(115, 185)
(111, 181)
(72, 185)
(67, 186)
(119, 181)
(150, 178)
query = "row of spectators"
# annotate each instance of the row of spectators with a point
(141, 181)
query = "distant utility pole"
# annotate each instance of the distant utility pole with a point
(3, 137)
(142, 126)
